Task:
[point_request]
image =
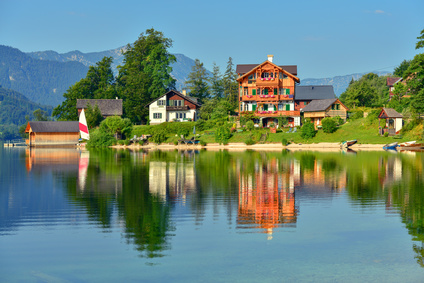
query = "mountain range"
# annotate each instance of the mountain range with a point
(44, 76)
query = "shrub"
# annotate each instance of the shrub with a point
(141, 142)
(183, 132)
(126, 142)
(100, 138)
(203, 143)
(308, 131)
(121, 142)
(115, 125)
(222, 134)
(250, 125)
(386, 134)
(284, 141)
(329, 125)
(357, 115)
(249, 141)
(175, 142)
(339, 121)
(158, 137)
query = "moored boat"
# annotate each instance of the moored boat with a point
(391, 145)
(347, 144)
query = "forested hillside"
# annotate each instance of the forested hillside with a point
(41, 81)
(14, 106)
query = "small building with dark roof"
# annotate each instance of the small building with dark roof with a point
(305, 94)
(173, 106)
(52, 133)
(393, 121)
(108, 107)
(317, 110)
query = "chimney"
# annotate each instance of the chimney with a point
(270, 58)
(184, 92)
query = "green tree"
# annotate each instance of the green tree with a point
(230, 84)
(40, 115)
(197, 82)
(93, 115)
(420, 43)
(145, 73)
(116, 126)
(400, 70)
(308, 130)
(217, 87)
(222, 134)
(98, 84)
(329, 125)
(360, 93)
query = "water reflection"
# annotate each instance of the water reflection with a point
(265, 190)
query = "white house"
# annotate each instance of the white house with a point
(173, 106)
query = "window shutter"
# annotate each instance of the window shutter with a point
(275, 91)
(253, 91)
(266, 91)
(254, 107)
(287, 107)
(287, 91)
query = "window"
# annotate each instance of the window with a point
(280, 107)
(265, 75)
(335, 107)
(252, 78)
(161, 102)
(284, 76)
(259, 91)
(157, 115)
(246, 91)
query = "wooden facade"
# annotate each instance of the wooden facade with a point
(392, 121)
(48, 134)
(268, 91)
(320, 109)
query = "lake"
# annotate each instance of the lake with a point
(210, 216)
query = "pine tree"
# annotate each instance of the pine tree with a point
(230, 84)
(197, 82)
(217, 87)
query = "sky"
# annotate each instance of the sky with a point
(323, 38)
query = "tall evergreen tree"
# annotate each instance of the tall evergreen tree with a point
(145, 73)
(98, 84)
(197, 82)
(217, 87)
(230, 84)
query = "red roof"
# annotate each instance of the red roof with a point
(392, 81)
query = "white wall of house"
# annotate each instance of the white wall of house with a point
(157, 111)
(398, 124)
(182, 116)
(296, 121)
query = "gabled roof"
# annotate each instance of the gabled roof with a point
(268, 62)
(389, 113)
(321, 105)
(185, 97)
(108, 107)
(53, 126)
(312, 92)
(244, 68)
(392, 81)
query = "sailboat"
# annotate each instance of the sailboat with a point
(83, 126)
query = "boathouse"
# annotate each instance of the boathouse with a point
(392, 123)
(52, 133)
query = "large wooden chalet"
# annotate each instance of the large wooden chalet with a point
(268, 90)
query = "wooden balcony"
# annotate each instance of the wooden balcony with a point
(261, 82)
(273, 113)
(177, 108)
(270, 98)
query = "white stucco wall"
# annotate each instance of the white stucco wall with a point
(155, 108)
(398, 124)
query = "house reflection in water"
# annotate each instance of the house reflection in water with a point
(172, 180)
(52, 159)
(267, 196)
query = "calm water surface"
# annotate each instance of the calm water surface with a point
(210, 216)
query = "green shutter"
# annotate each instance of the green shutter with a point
(287, 91)
(275, 91)
(287, 107)
(265, 107)
(266, 91)
(253, 91)
(254, 107)
(275, 108)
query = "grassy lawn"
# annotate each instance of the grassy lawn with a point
(364, 131)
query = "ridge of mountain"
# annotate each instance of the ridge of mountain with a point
(180, 69)
(41, 81)
(339, 83)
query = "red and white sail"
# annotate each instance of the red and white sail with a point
(83, 126)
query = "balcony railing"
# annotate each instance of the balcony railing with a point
(261, 113)
(267, 97)
(177, 108)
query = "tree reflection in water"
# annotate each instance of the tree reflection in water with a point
(260, 187)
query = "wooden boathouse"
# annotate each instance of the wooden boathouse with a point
(52, 133)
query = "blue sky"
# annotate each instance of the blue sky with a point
(323, 38)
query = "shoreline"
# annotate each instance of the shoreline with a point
(266, 146)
